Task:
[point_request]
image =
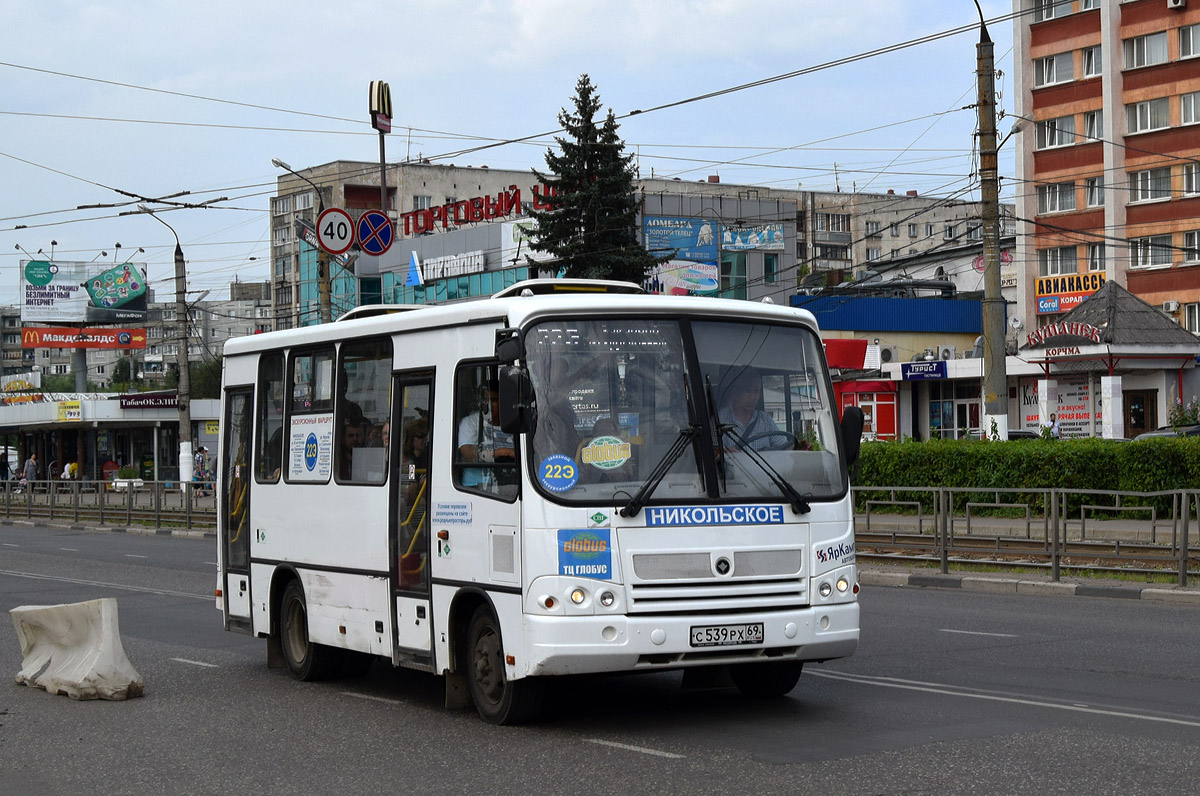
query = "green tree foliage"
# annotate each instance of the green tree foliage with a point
(205, 378)
(591, 223)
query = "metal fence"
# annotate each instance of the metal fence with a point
(157, 504)
(1048, 529)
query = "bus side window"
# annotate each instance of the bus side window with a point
(484, 456)
(363, 432)
(269, 458)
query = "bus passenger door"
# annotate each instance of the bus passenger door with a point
(412, 421)
(235, 518)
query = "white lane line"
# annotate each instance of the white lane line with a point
(143, 589)
(69, 549)
(949, 690)
(131, 555)
(6, 544)
(372, 698)
(976, 633)
(196, 663)
(639, 749)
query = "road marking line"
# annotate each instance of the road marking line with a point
(949, 690)
(976, 633)
(372, 698)
(641, 749)
(79, 582)
(6, 544)
(69, 549)
(197, 663)
(131, 555)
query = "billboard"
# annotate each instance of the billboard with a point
(692, 242)
(67, 337)
(75, 292)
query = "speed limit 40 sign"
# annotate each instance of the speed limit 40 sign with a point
(335, 230)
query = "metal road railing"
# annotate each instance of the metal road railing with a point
(1050, 529)
(158, 504)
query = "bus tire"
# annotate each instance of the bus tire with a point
(759, 680)
(497, 699)
(305, 659)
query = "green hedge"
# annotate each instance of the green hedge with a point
(1152, 465)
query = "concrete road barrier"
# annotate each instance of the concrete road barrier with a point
(75, 650)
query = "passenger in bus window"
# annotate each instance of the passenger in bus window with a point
(741, 411)
(378, 436)
(481, 440)
(353, 436)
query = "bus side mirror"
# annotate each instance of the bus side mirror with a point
(852, 426)
(509, 347)
(516, 400)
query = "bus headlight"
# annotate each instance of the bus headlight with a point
(843, 584)
(578, 596)
(607, 598)
(825, 589)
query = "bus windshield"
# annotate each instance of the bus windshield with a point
(723, 409)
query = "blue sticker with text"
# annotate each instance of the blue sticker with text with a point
(585, 553)
(310, 452)
(558, 472)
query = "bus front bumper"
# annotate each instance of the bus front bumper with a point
(559, 645)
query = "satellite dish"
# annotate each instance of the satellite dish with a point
(1015, 322)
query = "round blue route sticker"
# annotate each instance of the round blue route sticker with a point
(310, 452)
(558, 472)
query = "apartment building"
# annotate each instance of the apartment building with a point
(1108, 158)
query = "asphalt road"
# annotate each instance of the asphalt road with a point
(950, 692)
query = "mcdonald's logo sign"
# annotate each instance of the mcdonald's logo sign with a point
(381, 106)
(31, 338)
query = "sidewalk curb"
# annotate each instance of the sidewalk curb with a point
(140, 530)
(1176, 596)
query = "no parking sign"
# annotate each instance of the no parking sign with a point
(374, 232)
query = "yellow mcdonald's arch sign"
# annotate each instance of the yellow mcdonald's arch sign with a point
(31, 338)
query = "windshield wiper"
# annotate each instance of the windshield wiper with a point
(798, 501)
(660, 472)
(719, 427)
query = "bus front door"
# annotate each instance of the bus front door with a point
(235, 518)
(412, 419)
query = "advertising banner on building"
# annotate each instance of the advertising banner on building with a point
(75, 337)
(693, 268)
(74, 292)
(747, 237)
(1057, 294)
(1073, 410)
(70, 410)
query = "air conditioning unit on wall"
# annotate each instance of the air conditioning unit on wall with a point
(947, 352)
(1170, 306)
(889, 354)
(1176, 3)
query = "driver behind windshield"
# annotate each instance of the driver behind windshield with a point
(740, 411)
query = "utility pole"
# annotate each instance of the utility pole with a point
(995, 374)
(322, 255)
(181, 332)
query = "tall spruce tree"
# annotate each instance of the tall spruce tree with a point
(591, 224)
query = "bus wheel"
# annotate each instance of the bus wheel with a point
(772, 679)
(306, 660)
(498, 699)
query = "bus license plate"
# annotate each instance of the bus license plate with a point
(723, 635)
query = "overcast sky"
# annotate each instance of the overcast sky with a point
(92, 102)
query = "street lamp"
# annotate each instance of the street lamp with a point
(185, 379)
(322, 255)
